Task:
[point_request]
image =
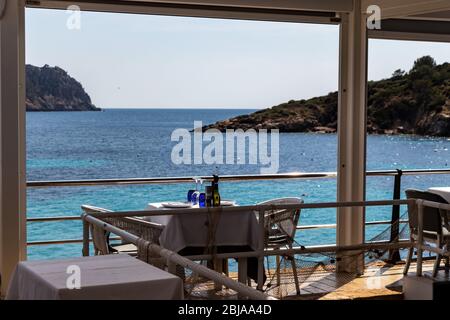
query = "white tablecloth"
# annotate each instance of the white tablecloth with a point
(444, 192)
(191, 230)
(116, 276)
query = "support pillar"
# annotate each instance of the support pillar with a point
(352, 135)
(12, 138)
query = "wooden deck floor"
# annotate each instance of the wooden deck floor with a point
(379, 281)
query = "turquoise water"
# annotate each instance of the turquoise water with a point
(136, 143)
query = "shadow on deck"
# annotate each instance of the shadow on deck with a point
(380, 281)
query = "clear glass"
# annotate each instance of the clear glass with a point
(196, 194)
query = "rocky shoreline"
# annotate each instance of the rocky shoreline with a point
(414, 102)
(52, 89)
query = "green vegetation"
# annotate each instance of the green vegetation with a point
(414, 102)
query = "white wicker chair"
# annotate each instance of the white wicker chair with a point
(436, 227)
(146, 230)
(280, 226)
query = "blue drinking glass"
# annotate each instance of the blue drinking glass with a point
(189, 195)
(202, 200)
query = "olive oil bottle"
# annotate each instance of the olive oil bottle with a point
(215, 191)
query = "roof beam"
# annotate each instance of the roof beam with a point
(313, 5)
(308, 5)
(402, 8)
(436, 16)
(414, 30)
(191, 9)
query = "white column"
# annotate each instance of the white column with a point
(12, 139)
(352, 133)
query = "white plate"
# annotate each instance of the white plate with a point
(227, 203)
(176, 205)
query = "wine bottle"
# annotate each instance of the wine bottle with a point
(209, 196)
(215, 191)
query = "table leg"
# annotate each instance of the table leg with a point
(225, 267)
(171, 267)
(218, 267)
(242, 272)
(260, 273)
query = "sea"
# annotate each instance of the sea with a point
(137, 143)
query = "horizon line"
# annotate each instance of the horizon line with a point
(180, 108)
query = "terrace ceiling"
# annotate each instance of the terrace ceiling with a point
(292, 5)
(427, 20)
(417, 20)
(313, 11)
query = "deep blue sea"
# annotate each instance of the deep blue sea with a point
(135, 143)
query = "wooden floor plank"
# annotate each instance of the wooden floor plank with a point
(379, 281)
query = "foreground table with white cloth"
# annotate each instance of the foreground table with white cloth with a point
(116, 276)
(444, 192)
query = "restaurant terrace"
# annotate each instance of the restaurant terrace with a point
(269, 260)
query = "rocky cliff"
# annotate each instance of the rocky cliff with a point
(52, 89)
(414, 102)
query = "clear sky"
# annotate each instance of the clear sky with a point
(142, 61)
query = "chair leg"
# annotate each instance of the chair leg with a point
(294, 271)
(447, 265)
(278, 267)
(180, 272)
(437, 262)
(408, 261)
(225, 267)
(446, 259)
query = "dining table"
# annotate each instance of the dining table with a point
(190, 234)
(191, 230)
(104, 277)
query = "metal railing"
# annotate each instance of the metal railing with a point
(173, 259)
(246, 177)
(261, 251)
(395, 220)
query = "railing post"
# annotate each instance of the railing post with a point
(85, 237)
(261, 251)
(394, 254)
(419, 242)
